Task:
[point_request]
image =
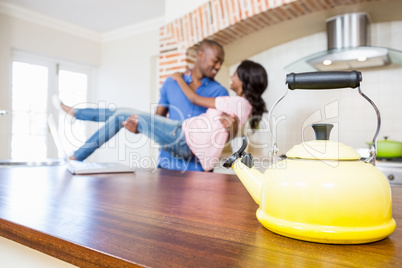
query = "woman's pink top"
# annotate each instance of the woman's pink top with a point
(206, 135)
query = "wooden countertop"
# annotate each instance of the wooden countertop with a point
(163, 219)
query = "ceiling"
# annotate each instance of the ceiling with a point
(101, 16)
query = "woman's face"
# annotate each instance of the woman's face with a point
(236, 84)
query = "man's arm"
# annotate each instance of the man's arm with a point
(162, 110)
(193, 97)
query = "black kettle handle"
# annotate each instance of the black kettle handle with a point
(324, 80)
(247, 159)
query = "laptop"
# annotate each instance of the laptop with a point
(79, 167)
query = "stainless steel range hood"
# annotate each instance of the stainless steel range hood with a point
(348, 40)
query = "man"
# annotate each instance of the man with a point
(174, 104)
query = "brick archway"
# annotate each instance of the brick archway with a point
(227, 21)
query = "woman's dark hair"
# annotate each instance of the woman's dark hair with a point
(255, 80)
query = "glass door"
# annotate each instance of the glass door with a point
(73, 91)
(29, 111)
(35, 83)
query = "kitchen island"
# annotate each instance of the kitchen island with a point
(162, 219)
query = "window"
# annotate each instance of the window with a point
(34, 82)
(73, 92)
(29, 111)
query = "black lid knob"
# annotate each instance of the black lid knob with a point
(322, 131)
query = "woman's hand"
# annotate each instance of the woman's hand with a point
(177, 76)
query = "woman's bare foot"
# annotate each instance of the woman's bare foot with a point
(72, 158)
(59, 104)
(70, 111)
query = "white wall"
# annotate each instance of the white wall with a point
(354, 119)
(128, 78)
(39, 40)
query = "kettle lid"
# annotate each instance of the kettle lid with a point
(322, 148)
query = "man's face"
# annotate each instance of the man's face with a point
(211, 59)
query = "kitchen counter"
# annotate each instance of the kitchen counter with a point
(162, 219)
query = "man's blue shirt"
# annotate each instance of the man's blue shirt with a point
(180, 108)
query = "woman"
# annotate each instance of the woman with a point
(203, 136)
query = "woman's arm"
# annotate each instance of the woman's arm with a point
(191, 95)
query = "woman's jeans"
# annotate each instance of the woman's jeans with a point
(162, 130)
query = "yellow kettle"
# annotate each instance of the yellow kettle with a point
(322, 191)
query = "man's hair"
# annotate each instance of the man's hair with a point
(208, 43)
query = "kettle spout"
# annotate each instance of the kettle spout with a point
(242, 164)
(251, 178)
